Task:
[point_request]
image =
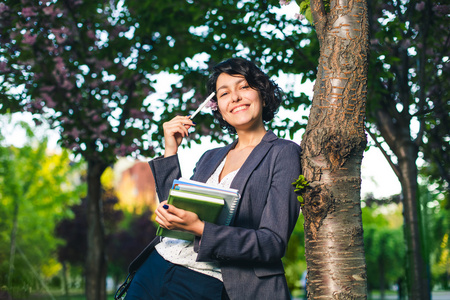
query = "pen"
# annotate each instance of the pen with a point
(202, 105)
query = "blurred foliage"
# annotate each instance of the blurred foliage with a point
(36, 189)
(66, 60)
(137, 230)
(384, 239)
(384, 243)
(294, 260)
(436, 216)
(384, 246)
(94, 63)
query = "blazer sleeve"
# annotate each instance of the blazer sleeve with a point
(267, 242)
(165, 170)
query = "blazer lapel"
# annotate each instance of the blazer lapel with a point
(241, 178)
(255, 157)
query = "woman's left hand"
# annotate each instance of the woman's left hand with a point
(170, 217)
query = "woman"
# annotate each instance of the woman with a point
(241, 261)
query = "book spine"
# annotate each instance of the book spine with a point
(232, 210)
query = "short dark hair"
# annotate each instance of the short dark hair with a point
(271, 94)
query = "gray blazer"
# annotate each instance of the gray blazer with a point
(249, 251)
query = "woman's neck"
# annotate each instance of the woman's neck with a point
(250, 138)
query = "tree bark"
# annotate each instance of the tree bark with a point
(333, 146)
(96, 258)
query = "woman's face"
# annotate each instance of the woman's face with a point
(239, 104)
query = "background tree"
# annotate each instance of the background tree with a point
(408, 108)
(70, 61)
(35, 193)
(333, 145)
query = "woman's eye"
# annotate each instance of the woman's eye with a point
(223, 94)
(245, 87)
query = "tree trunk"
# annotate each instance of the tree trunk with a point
(333, 146)
(416, 261)
(95, 259)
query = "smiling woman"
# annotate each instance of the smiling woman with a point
(243, 260)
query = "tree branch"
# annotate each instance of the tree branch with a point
(424, 28)
(394, 167)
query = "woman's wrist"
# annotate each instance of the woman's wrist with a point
(168, 153)
(171, 148)
(198, 228)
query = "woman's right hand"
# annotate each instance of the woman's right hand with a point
(172, 218)
(174, 132)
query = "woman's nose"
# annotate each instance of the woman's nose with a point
(235, 96)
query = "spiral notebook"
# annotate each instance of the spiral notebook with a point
(231, 196)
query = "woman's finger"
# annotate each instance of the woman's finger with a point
(178, 125)
(168, 216)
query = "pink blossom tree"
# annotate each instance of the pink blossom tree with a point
(71, 62)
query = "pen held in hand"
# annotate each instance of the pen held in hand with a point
(202, 105)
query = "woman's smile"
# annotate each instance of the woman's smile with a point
(240, 108)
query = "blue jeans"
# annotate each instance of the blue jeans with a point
(160, 279)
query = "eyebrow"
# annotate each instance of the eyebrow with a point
(235, 83)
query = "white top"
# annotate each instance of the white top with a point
(181, 252)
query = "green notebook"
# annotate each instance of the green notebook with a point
(206, 207)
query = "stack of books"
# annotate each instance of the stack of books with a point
(211, 203)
